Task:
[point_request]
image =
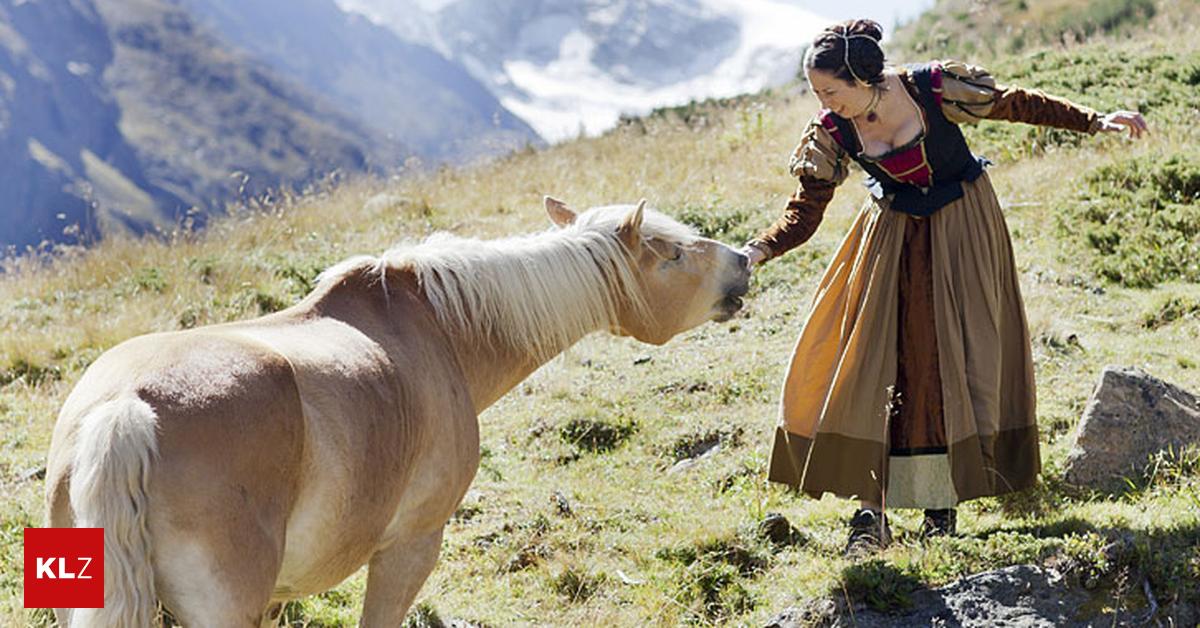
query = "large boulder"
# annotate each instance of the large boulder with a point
(1130, 417)
(1019, 595)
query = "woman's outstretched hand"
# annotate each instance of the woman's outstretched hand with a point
(1119, 120)
(754, 254)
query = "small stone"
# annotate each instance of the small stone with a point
(681, 466)
(561, 505)
(36, 473)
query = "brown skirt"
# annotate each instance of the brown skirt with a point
(912, 381)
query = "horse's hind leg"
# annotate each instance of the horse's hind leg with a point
(207, 579)
(395, 576)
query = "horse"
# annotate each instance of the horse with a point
(237, 466)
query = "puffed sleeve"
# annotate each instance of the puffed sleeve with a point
(820, 165)
(970, 94)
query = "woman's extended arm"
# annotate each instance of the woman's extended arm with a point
(971, 94)
(820, 165)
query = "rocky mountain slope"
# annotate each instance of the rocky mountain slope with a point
(127, 114)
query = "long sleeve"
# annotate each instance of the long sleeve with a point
(820, 165)
(971, 94)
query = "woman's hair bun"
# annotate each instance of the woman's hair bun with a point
(870, 28)
(850, 50)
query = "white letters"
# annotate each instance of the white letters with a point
(45, 569)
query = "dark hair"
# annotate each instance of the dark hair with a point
(829, 52)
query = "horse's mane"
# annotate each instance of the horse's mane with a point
(539, 292)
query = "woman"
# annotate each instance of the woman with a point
(912, 382)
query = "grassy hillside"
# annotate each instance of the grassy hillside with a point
(577, 516)
(987, 29)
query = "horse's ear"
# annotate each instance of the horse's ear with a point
(630, 230)
(560, 214)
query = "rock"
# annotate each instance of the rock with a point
(1130, 417)
(1019, 595)
(688, 463)
(624, 578)
(35, 473)
(818, 612)
(681, 466)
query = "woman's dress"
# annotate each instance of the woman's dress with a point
(912, 379)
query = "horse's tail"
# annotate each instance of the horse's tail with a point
(115, 447)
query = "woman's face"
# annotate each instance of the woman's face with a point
(837, 95)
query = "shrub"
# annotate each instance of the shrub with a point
(880, 585)
(711, 581)
(576, 585)
(1140, 220)
(596, 435)
(1172, 309)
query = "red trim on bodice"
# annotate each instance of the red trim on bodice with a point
(909, 166)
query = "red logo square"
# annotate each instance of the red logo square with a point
(64, 567)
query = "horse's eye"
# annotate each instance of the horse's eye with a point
(678, 254)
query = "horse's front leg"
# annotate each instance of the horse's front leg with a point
(394, 577)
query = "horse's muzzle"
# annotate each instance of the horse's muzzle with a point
(733, 299)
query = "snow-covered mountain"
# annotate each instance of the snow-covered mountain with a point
(396, 86)
(571, 66)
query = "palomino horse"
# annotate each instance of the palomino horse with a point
(237, 466)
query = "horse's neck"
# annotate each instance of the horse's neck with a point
(490, 372)
(490, 366)
(492, 369)
(497, 362)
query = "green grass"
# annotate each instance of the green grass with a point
(623, 484)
